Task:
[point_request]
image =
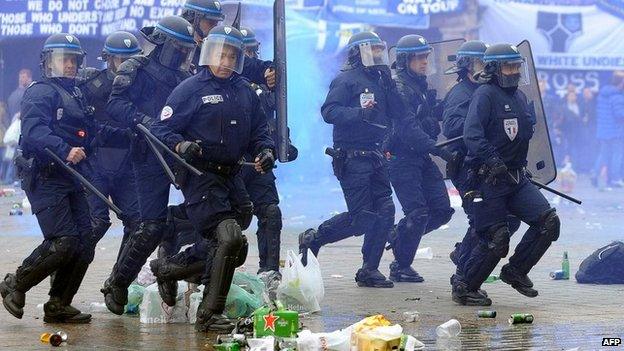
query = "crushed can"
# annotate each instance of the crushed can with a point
(521, 318)
(227, 346)
(278, 322)
(486, 314)
(557, 275)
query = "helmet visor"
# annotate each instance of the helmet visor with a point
(513, 73)
(223, 52)
(176, 54)
(62, 63)
(374, 54)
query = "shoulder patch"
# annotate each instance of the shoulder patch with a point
(166, 113)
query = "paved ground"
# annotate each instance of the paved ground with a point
(567, 314)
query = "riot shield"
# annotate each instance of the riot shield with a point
(279, 59)
(442, 58)
(540, 159)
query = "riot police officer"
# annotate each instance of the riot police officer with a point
(360, 107)
(417, 181)
(140, 89)
(497, 131)
(55, 117)
(205, 15)
(216, 96)
(468, 62)
(111, 168)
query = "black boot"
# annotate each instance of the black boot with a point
(57, 312)
(518, 281)
(115, 297)
(404, 274)
(372, 278)
(12, 299)
(167, 289)
(210, 321)
(463, 296)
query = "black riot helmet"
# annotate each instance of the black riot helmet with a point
(250, 42)
(119, 46)
(504, 63)
(468, 59)
(196, 10)
(173, 37)
(367, 49)
(62, 56)
(409, 47)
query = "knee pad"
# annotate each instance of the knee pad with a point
(363, 222)
(550, 224)
(498, 240)
(273, 216)
(66, 246)
(244, 214)
(229, 235)
(416, 219)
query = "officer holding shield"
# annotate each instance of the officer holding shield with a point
(497, 131)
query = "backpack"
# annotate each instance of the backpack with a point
(604, 266)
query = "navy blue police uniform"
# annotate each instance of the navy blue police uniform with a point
(224, 119)
(139, 92)
(55, 116)
(497, 131)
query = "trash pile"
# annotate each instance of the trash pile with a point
(275, 328)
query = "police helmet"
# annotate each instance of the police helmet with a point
(468, 55)
(224, 48)
(120, 44)
(250, 42)
(196, 10)
(367, 49)
(57, 49)
(173, 37)
(408, 47)
(498, 56)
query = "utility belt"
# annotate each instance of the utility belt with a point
(477, 176)
(340, 156)
(217, 168)
(29, 169)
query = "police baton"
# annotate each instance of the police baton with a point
(175, 156)
(556, 192)
(84, 182)
(449, 141)
(163, 163)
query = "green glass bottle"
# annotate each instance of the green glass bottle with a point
(492, 279)
(565, 266)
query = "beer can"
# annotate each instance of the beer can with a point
(521, 318)
(557, 275)
(486, 314)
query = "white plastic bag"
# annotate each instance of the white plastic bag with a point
(154, 310)
(145, 276)
(302, 287)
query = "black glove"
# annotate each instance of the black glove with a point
(266, 160)
(372, 117)
(189, 150)
(453, 160)
(496, 167)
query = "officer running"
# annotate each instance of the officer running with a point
(212, 120)
(55, 117)
(497, 131)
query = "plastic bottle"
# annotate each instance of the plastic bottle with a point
(565, 266)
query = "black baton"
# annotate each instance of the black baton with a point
(162, 162)
(84, 182)
(175, 156)
(449, 141)
(556, 192)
